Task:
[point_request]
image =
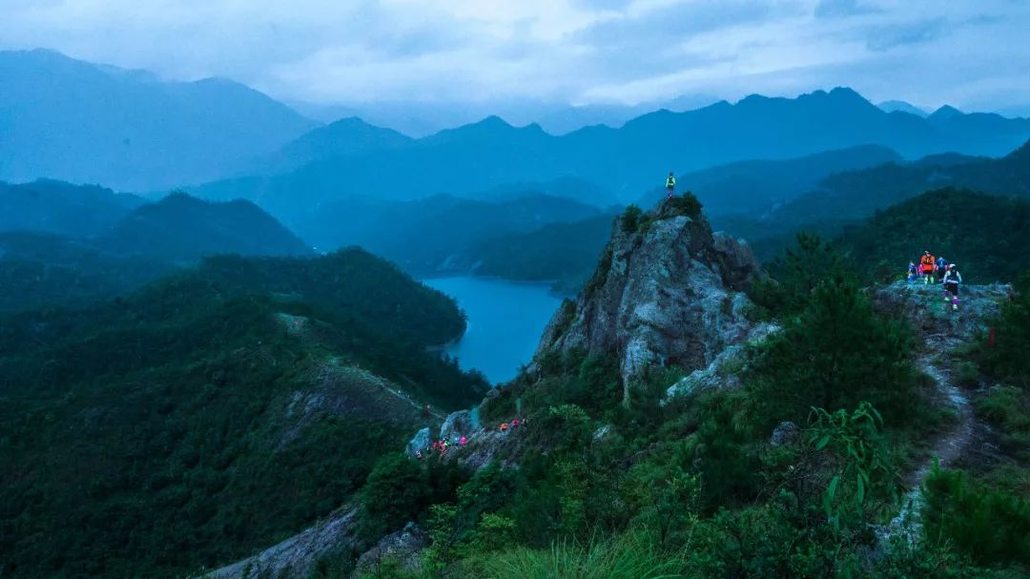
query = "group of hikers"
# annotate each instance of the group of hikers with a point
(440, 446)
(937, 270)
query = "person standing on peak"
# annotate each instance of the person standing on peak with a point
(926, 267)
(670, 185)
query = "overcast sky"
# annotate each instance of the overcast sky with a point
(973, 54)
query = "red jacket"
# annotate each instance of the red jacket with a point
(927, 264)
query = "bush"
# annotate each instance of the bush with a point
(631, 219)
(686, 204)
(837, 353)
(1008, 408)
(396, 492)
(1007, 360)
(989, 525)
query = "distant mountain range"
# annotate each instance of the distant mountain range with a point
(754, 187)
(627, 161)
(66, 119)
(853, 195)
(433, 234)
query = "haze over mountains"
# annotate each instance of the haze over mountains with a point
(66, 119)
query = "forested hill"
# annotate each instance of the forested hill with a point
(988, 236)
(181, 227)
(211, 413)
(854, 195)
(62, 208)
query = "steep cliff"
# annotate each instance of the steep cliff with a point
(668, 291)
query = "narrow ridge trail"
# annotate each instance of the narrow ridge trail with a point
(941, 335)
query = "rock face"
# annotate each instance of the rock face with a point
(667, 292)
(398, 551)
(456, 424)
(419, 442)
(931, 315)
(298, 555)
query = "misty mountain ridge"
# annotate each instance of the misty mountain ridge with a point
(492, 153)
(181, 227)
(71, 120)
(62, 208)
(754, 187)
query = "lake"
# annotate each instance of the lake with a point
(505, 322)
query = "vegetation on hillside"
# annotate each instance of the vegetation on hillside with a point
(987, 236)
(692, 487)
(563, 253)
(212, 413)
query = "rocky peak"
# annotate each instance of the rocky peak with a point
(668, 291)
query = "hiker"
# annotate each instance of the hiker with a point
(913, 272)
(951, 280)
(504, 427)
(670, 184)
(463, 440)
(926, 266)
(514, 422)
(942, 268)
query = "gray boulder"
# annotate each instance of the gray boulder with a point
(786, 433)
(421, 441)
(456, 424)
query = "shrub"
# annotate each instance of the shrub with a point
(1007, 360)
(631, 219)
(837, 353)
(989, 525)
(686, 204)
(396, 492)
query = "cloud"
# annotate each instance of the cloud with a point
(915, 33)
(842, 8)
(580, 51)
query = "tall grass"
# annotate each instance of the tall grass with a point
(630, 556)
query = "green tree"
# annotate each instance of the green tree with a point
(837, 353)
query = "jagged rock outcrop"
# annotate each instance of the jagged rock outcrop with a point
(400, 551)
(667, 292)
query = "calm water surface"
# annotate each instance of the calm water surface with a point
(505, 319)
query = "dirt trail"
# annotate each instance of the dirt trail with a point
(941, 331)
(946, 450)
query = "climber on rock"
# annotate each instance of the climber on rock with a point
(670, 185)
(926, 266)
(913, 272)
(952, 279)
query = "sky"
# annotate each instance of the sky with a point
(971, 54)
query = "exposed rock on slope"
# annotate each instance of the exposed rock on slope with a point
(298, 555)
(667, 292)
